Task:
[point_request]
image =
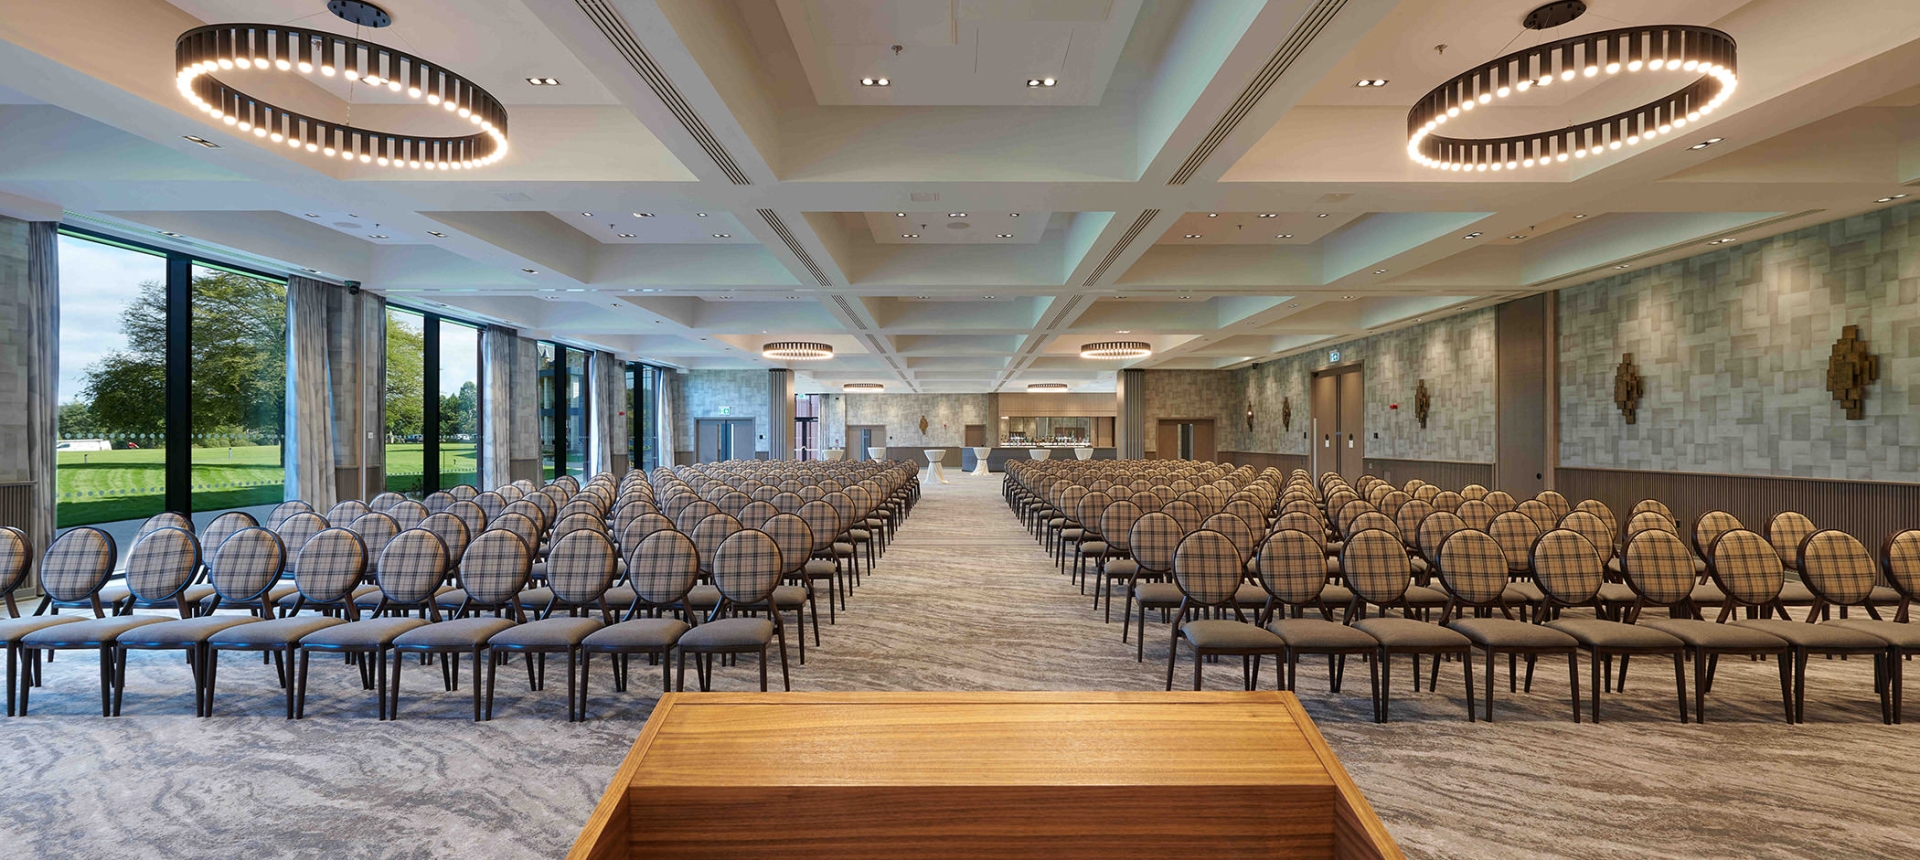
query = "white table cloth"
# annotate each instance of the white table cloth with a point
(1039, 453)
(876, 453)
(1083, 453)
(936, 469)
(835, 454)
(980, 461)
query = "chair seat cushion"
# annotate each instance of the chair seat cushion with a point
(645, 634)
(1894, 633)
(859, 535)
(1093, 547)
(1600, 633)
(13, 629)
(1884, 596)
(701, 597)
(276, 632)
(1121, 568)
(558, 632)
(819, 568)
(183, 632)
(1419, 564)
(1335, 596)
(366, 634)
(1230, 635)
(538, 598)
(1792, 594)
(1318, 633)
(1250, 594)
(116, 591)
(1517, 593)
(789, 596)
(1157, 594)
(1816, 637)
(460, 633)
(1508, 633)
(1617, 592)
(1425, 596)
(1707, 634)
(90, 632)
(728, 634)
(1709, 594)
(1408, 633)
(368, 596)
(1072, 535)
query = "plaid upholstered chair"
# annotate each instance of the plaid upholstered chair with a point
(1433, 532)
(1600, 509)
(1474, 566)
(197, 594)
(1786, 530)
(1654, 506)
(824, 565)
(1207, 568)
(580, 569)
(1427, 492)
(473, 516)
(1900, 559)
(1410, 516)
(708, 535)
(661, 569)
(1567, 579)
(222, 527)
(1377, 570)
(691, 515)
(1153, 539)
(491, 503)
(438, 501)
(795, 539)
(1473, 492)
(158, 569)
(1476, 513)
(408, 513)
(344, 512)
(845, 548)
(16, 558)
(1117, 565)
(1554, 502)
(409, 575)
(527, 509)
(493, 569)
(1841, 572)
(1748, 569)
(335, 561)
(1660, 572)
(1515, 533)
(384, 501)
(1501, 501)
(1543, 517)
(241, 571)
(282, 511)
(1293, 570)
(746, 569)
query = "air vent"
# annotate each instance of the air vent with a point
(1054, 323)
(1609, 267)
(847, 308)
(1120, 247)
(615, 29)
(786, 236)
(1296, 44)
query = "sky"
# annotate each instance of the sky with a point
(97, 282)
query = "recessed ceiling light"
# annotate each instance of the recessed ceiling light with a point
(1622, 266)
(377, 236)
(1294, 305)
(1213, 214)
(699, 214)
(543, 82)
(1518, 236)
(1184, 298)
(1124, 331)
(587, 214)
(1890, 198)
(1013, 214)
(1283, 236)
(643, 214)
(909, 235)
(1269, 215)
(1580, 215)
(1371, 82)
(1473, 235)
(1416, 319)
(1346, 297)
(1721, 241)
(920, 297)
(989, 298)
(314, 271)
(723, 235)
(530, 271)
(313, 214)
(876, 82)
(1006, 235)
(169, 233)
(626, 235)
(1322, 215)
(899, 214)
(1193, 235)
(436, 234)
(1379, 271)
(956, 214)
(1706, 143)
(793, 297)
(200, 140)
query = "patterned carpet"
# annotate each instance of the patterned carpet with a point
(965, 600)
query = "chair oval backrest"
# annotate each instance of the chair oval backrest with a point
(383, 501)
(755, 513)
(1837, 568)
(1427, 492)
(585, 504)
(1306, 523)
(1410, 515)
(1654, 505)
(1343, 518)
(375, 530)
(1376, 566)
(1448, 500)
(408, 513)
(336, 561)
(1536, 510)
(411, 567)
(494, 567)
(282, 511)
(1709, 526)
(1745, 566)
(693, 514)
(793, 536)
(438, 501)
(641, 527)
(224, 526)
(747, 566)
(1154, 538)
(1476, 514)
(1147, 500)
(584, 520)
(473, 515)
(294, 533)
(549, 507)
(1600, 509)
(491, 502)
(1786, 531)
(1658, 567)
(77, 564)
(246, 564)
(1556, 503)
(1474, 567)
(710, 533)
(1374, 520)
(663, 567)
(1595, 531)
(1900, 555)
(1293, 566)
(1566, 567)
(451, 532)
(582, 566)
(463, 492)
(1648, 520)
(1116, 524)
(16, 557)
(1501, 501)
(162, 564)
(1473, 492)
(823, 520)
(1208, 567)
(1434, 531)
(1237, 531)
(1515, 533)
(347, 511)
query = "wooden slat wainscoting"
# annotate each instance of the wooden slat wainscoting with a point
(1450, 474)
(1868, 510)
(16, 505)
(1260, 460)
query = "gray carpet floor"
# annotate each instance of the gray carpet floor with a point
(964, 600)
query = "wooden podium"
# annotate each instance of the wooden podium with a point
(932, 776)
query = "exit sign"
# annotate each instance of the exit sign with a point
(726, 410)
(1333, 356)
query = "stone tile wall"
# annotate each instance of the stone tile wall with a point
(947, 416)
(702, 393)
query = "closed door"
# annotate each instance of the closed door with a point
(860, 437)
(1339, 410)
(976, 435)
(707, 433)
(1185, 439)
(717, 439)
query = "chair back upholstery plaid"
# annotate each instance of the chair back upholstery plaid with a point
(1658, 567)
(1344, 517)
(1091, 505)
(472, 514)
(577, 522)
(586, 503)
(1900, 555)
(495, 567)
(383, 501)
(1306, 523)
(1600, 509)
(1786, 531)
(347, 511)
(1556, 503)
(1185, 514)
(246, 564)
(752, 514)
(1208, 567)
(1236, 530)
(1434, 531)
(1476, 513)
(548, 505)
(511, 493)
(1147, 500)
(1373, 520)
(1536, 510)
(787, 503)
(1338, 499)
(811, 493)
(793, 536)
(1427, 492)
(16, 556)
(282, 511)
(842, 511)
(408, 513)
(1376, 490)
(581, 566)
(77, 564)
(1248, 509)
(162, 563)
(1153, 539)
(1515, 532)
(709, 534)
(747, 566)
(375, 530)
(1566, 567)
(662, 567)
(1199, 501)
(529, 510)
(691, 516)
(1746, 567)
(1293, 566)
(1648, 521)
(1181, 485)
(1448, 500)
(1654, 505)
(1501, 501)
(1376, 566)
(336, 561)
(463, 492)
(1473, 492)
(224, 526)
(438, 501)
(641, 528)
(1594, 530)
(294, 533)
(823, 520)
(1473, 566)
(451, 532)
(491, 503)
(1708, 527)
(411, 567)
(1837, 568)
(1116, 524)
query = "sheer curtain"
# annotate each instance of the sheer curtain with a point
(496, 437)
(606, 383)
(42, 330)
(663, 422)
(309, 451)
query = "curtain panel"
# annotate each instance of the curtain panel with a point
(663, 423)
(497, 415)
(42, 330)
(309, 449)
(608, 380)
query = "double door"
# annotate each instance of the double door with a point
(1339, 435)
(717, 439)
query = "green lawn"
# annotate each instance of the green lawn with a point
(107, 486)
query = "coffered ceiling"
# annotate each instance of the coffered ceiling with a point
(1203, 175)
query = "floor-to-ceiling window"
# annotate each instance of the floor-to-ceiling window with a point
(406, 401)
(647, 428)
(459, 399)
(239, 389)
(434, 402)
(579, 394)
(564, 411)
(550, 418)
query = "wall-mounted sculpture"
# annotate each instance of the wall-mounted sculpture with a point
(1286, 413)
(923, 425)
(1422, 403)
(1627, 387)
(1850, 371)
(1249, 418)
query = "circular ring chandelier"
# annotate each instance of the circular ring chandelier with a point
(201, 52)
(1690, 51)
(863, 387)
(1047, 386)
(1116, 349)
(796, 350)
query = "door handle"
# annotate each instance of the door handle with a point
(1326, 441)
(1349, 440)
